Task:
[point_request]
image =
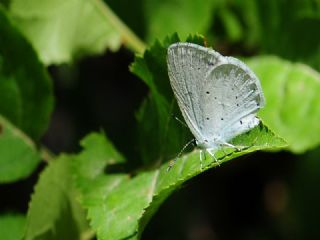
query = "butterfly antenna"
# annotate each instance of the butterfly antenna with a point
(179, 120)
(171, 163)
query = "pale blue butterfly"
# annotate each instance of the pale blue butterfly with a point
(218, 96)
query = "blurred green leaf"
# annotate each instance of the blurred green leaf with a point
(26, 92)
(18, 154)
(133, 16)
(285, 28)
(231, 24)
(293, 31)
(12, 226)
(63, 30)
(165, 17)
(54, 212)
(292, 108)
(251, 22)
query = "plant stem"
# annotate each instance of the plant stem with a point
(88, 235)
(129, 38)
(46, 154)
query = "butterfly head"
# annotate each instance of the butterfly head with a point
(206, 143)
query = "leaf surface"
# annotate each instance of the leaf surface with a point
(11, 226)
(62, 30)
(292, 108)
(18, 154)
(54, 211)
(26, 97)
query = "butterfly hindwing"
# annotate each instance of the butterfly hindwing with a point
(232, 97)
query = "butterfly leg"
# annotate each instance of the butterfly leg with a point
(224, 152)
(202, 156)
(180, 121)
(172, 162)
(231, 146)
(237, 148)
(241, 148)
(213, 156)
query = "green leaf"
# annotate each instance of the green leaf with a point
(26, 92)
(300, 41)
(183, 16)
(18, 154)
(231, 24)
(54, 212)
(12, 226)
(88, 168)
(101, 153)
(284, 28)
(63, 30)
(292, 109)
(159, 134)
(251, 21)
(188, 166)
(119, 206)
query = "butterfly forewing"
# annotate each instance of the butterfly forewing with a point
(188, 66)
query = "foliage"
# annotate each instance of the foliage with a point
(26, 101)
(54, 212)
(93, 192)
(61, 35)
(11, 226)
(292, 96)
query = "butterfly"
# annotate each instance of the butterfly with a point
(218, 96)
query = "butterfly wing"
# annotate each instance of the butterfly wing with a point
(188, 66)
(231, 96)
(218, 96)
